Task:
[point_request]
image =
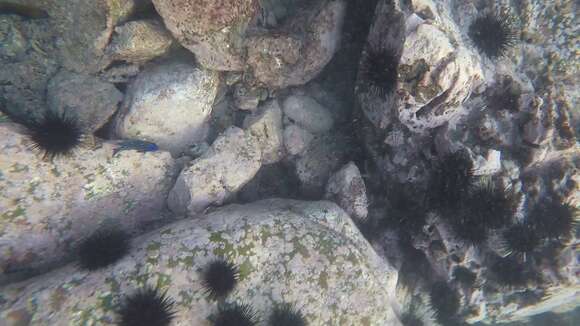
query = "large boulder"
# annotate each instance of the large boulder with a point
(92, 100)
(309, 254)
(233, 159)
(213, 30)
(47, 206)
(169, 104)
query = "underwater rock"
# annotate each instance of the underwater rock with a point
(307, 113)
(297, 53)
(91, 100)
(347, 188)
(169, 104)
(84, 29)
(266, 126)
(231, 161)
(47, 206)
(139, 41)
(309, 254)
(213, 30)
(296, 139)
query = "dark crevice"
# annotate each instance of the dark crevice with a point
(24, 11)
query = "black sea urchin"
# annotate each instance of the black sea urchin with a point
(521, 238)
(235, 315)
(378, 70)
(464, 276)
(490, 205)
(450, 180)
(444, 301)
(494, 33)
(553, 219)
(147, 307)
(286, 315)
(103, 248)
(55, 134)
(509, 272)
(219, 278)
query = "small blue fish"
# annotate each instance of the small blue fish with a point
(140, 146)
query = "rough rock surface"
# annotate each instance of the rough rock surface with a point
(46, 207)
(266, 127)
(347, 188)
(139, 41)
(170, 105)
(297, 52)
(213, 30)
(307, 113)
(307, 254)
(232, 160)
(92, 100)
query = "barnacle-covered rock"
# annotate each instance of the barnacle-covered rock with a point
(347, 188)
(213, 30)
(91, 100)
(47, 205)
(309, 254)
(170, 105)
(232, 160)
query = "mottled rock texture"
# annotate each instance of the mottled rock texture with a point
(169, 104)
(139, 41)
(45, 207)
(307, 254)
(347, 188)
(266, 127)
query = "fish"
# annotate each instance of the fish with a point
(140, 146)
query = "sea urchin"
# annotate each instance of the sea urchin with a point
(444, 300)
(378, 69)
(450, 180)
(494, 33)
(235, 315)
(286, 315)
(55, 134)
(553, 219)
(521, 238)
(220, 278)
(147, 307)
(102, 248)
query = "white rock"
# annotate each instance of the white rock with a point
(170, 105)
(266, 127)
(491, 164)
(307, 113)
(296, 139)
(232, 160)
(309, 254)
(91, 100)
(347, 188)
(44, 207)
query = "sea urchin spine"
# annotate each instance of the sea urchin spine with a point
(235, 315)
(55, 134)
(378, 70)
(286, 315)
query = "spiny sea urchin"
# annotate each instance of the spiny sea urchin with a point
(379, 70)
(55, 134)
(553, 219)
(510, 272)
(444, 301)
(520, 238)
(220, 278)
(235, 315)
(464, 276)
(102, 248)
(493, 33)
(147, 306)
(450, 180)
(286, 315)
